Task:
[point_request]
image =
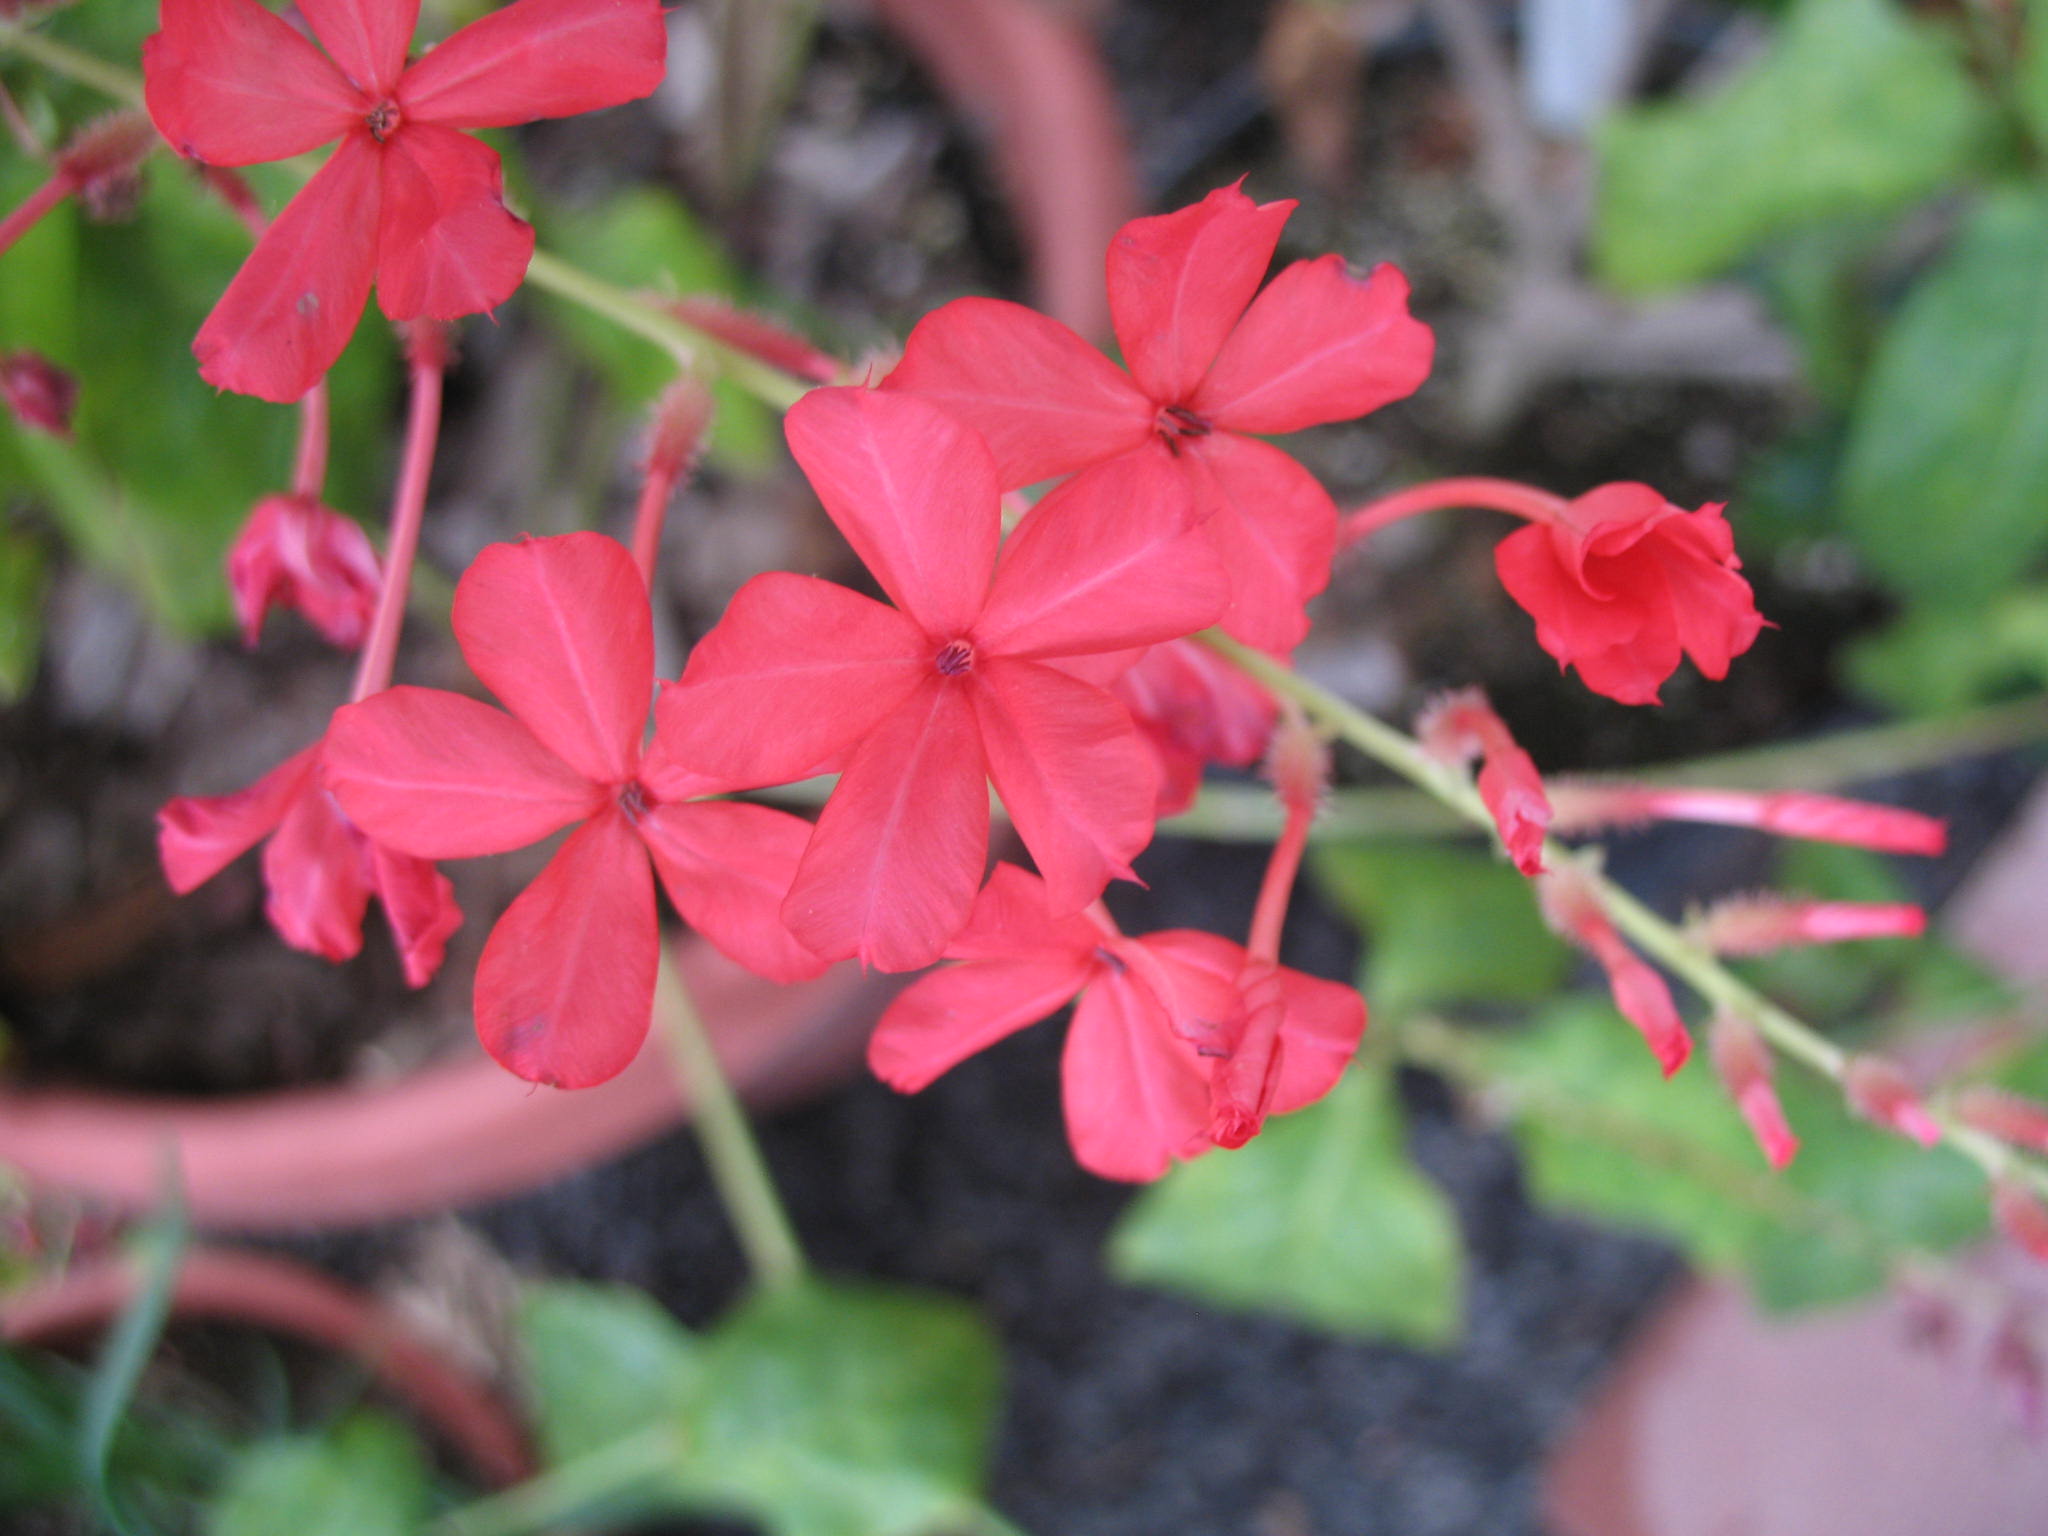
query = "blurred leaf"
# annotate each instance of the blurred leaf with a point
(161, 1461)
(2031, 78)
(1322, 1218)
(603, 1361)
(365, 1476)
(1936, 659)
(21, 611)
(1408, 897)
(1602, 1136)
(1814, 278)
(1945, 485)
(832, 1410)
(158, 1250)
(154, 494)
(644, 238)
(1854, 108)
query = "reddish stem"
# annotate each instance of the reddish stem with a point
(422, 429)
(648, 517)
(285, 1296)
(1270, 915)
(30, 213)
(1508, 496)
(309, 471)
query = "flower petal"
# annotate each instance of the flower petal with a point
(198, 836)
(1136, 1096)
(317, 869)
(914, 492)
(419, 903)
(727, 867)
(295, 553)
(1275, 530)
(1013, 920)
(368, 38)
(540, 58)
(891, 870)
(1318, 345)
(1110, 560)
(292, 308)
(797, 670)
(1074, 774)
(1325, 1021)
(448, 246)
(230, 83)
(1046, 401)
(439, 776)
(559, 630)
(1179, 281)
(942, 1019)
(565, 988)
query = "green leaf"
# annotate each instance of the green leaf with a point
(1322, 1218)
(645, 238)
(834, 1410)
(1407, 897)
(1855, 108)
(603, 1361)
(363, 1477)
(21, 611)
(160, 1462)
(2030, 80)
(1945, 483)
(159, 1249)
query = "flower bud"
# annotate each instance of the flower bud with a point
(295, 553)
(2008, 1116)
(1758, 925)
(38, 393)
(1878, 1091)
(1461, 726)
(1744, 1064)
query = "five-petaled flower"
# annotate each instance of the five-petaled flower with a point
(407, 199)
(319, 869)
(1159, 1020)
(1622, 583)
(559, 629)
(1209, 365)
(983, 670)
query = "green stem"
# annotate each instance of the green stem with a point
(564, 1492)
(737, 1167)
(63, 59)
(647, 318)
(1659, 939)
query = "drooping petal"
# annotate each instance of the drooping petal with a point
(368, 38)
(419, 903)
(946, 1017)
(914, 492)
(317, 870)
(1712, 608)
(1073, 772)
(292, 308)
(448, 246)
(1318, 345)
(1046, 401)
(797, 670)
(1618, 649)
(1324, 1023)
(559, 630)
(1275, 529)
(1108, 561)
(891, 871)
(727, 867)
(565, 988)
(198, 836)
(295, 553)
(539, 58)
(439, 776)
(1179, 281)
(230, 83)
(1136, 1096)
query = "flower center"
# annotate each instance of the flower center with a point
(954, 658)
(383, 120)
(634, 800)
(1176, 422)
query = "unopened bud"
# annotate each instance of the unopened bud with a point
(1586, 806)
(103, 163)
(1463, 725)
(1298, 764)
(1758, 925)
(1572, 908)
(675, 436)
(1878, 1091)
(757, 337)
(2008, 1116)
(1743, 1062)
(2020, 1216)
(38, 393)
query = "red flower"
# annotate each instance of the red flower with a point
(1622, 583)
(1209, 364)
(1159, 1019)
(1193, 708)
(972, 675)
(559, 629)
(295, 553)
(406, 199)
(319, 868)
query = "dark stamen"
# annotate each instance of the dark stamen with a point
(955, 657)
